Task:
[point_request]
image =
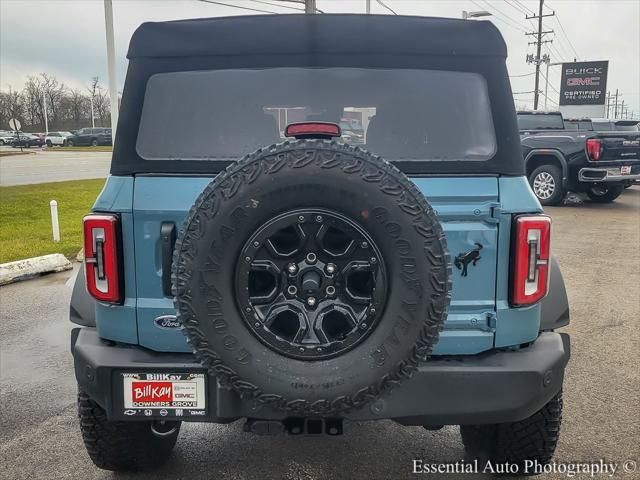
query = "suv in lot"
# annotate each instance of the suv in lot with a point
(600, 161)
(297, 284)
(57, 138)
(90, 137)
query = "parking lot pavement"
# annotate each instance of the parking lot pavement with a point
(43, 166)
(597, 246)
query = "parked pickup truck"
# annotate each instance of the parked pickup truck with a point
(558, 160)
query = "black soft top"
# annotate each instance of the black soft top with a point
(302, 34)
(331, 40)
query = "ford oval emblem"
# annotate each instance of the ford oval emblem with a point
(167, 322)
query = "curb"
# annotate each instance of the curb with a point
(24, 269)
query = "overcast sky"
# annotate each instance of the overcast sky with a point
(67, 38)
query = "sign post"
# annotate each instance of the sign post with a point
(583, 89)
(15, 125)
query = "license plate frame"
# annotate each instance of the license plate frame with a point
(625, 170)
(164, 395)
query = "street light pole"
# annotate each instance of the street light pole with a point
(46, 120)
(111, 66)
(309, 6)
(546, 83)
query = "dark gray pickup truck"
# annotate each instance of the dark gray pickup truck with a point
(559, 160)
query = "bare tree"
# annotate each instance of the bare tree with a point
(67, 109)
(10, 107)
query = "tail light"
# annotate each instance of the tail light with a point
(101, 259)
(594, 147)
(531, 256)
(312, 130)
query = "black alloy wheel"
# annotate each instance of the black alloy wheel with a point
(311, 284)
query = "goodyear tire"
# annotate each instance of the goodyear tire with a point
(312, 180)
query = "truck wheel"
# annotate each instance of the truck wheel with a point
(546, 183)
(534, 438)
(604, 193)
(123, 446)
(311, 277)
(94, 143)
(70, 143)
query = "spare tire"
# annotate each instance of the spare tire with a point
(311, 277)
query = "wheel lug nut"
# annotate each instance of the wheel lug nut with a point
(331, 290)
(292, 290)
(331, 268)
(319, 218)
(311, 257)
(311, 301)
(292, 268)
(301, 218)
(374, 259)
(256, 244)
(364, 245)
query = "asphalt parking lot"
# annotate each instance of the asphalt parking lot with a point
(597, 246)
(42, 165)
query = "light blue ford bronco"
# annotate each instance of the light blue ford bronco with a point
(313, 219)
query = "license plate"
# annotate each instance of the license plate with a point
(164, 394)
(625, 170)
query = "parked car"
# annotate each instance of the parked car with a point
(57, 138)
(558, 160)
(231, 275)
(6, 137)
(90, 137)
(26, 140)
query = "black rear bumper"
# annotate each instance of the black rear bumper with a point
(493, 387)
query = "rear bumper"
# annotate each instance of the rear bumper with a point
(492, 387)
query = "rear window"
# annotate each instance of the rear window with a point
(400, 114)
(532, 121)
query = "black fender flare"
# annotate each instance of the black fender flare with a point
(555, 306)
(82, 309)
(555, 153)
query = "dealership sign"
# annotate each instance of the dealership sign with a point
(584, 83)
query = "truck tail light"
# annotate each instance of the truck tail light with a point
(531, 257)
(594, 148)
(101, 257)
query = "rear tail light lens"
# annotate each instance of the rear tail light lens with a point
(594, 148)
(530, 268)
(101, 258)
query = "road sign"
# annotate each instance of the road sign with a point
(14, 123)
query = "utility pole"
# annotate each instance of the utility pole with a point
(309, 6)
(622, 110)
(608, 100)
(368, 7)
(615, 107)
(538, 44)
(111, 67)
